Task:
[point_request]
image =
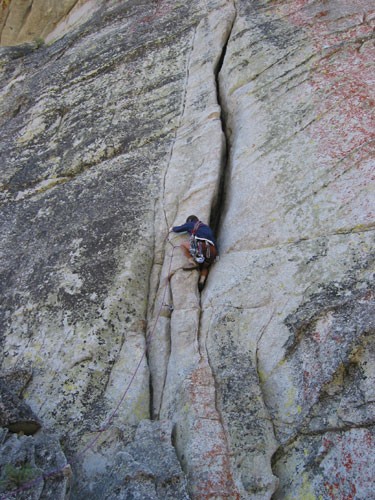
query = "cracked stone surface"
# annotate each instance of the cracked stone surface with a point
(257, 116)
(146, 468)
(296, 295)
(33, 467)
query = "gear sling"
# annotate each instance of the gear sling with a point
(201, 249)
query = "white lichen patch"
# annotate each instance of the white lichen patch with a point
(70, 282)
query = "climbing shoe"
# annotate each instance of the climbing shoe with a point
(201, 284)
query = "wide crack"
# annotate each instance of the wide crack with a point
(217, 209)
(219, 199)
(183, 385)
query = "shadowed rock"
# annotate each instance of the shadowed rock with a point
(15, 414)
(33, 468)
(146, 468)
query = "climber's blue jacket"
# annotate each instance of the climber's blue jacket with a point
(203, 231)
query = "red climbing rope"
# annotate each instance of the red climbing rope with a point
(148, 341)
(105, 427)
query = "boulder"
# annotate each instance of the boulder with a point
(33, 467)
(15, 414)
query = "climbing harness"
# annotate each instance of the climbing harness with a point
(200, 248)
(196, 250)
(169, 307)
(195, 245)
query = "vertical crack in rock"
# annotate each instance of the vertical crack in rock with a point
(219, 203)
(239, 400)
(282, 90)
(183, 383)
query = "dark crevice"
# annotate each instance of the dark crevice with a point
(152, 415)
(217, 209)
(283, 449)
(219, 201)
(150, 313)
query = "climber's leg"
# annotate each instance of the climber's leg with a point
(202, 277)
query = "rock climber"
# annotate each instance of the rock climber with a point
(201, 249)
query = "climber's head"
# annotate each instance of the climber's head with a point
(192, 218)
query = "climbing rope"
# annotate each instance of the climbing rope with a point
(66, 470)
(147, 343)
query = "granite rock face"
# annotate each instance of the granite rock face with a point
(39, 21)
(257, 116)
(297, 243)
